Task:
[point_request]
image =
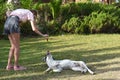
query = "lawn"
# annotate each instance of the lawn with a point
(101, 52)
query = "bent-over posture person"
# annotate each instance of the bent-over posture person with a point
(12, 29)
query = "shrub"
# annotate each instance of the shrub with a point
(81, 18)
(82, 29)
(103, 22)
(53, 27)
(96, 21)
(71, 25)
(55, 7)
(2, 16)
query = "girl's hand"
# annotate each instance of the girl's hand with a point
(46, 36)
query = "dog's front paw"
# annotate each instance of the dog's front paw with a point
(93, 73)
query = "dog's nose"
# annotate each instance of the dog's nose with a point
(48, 52)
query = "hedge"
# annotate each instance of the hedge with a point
(80, 18)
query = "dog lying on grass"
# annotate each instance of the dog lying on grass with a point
(59, 65)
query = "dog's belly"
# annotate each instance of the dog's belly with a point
(66, 64)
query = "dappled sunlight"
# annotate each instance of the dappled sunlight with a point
(16, 76)
(36, 64)
(3, 48)
(100, 52)
(31, 42)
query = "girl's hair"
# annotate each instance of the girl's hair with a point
(34, 12)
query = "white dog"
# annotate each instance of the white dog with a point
(59, 65)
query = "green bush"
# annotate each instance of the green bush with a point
(97, 20)
(53, 27)
(2, 16)
(80, 18)
(82, 29)
(103, 23)
(55, 8)
(71, 25)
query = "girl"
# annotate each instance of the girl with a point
(12, 29)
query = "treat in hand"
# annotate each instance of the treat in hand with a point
(46, 36)
(47, 39)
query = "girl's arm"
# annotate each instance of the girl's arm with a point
(35, 29)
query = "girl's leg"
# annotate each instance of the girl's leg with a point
(16, 41)
(16, 38)
(11, 53)
(14, 51)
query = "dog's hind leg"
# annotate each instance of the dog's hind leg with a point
(91, 72)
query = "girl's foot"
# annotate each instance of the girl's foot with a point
(9, 68)
(18, 68)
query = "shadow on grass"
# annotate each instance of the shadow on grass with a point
(93, 56)
(42, 76)
(34, 55)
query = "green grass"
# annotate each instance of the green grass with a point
(101, 53)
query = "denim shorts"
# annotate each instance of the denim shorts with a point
(11, 25)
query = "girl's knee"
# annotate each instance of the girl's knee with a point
(15, 47)
(12, 48)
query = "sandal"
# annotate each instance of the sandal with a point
(19, 68)
(9, 68)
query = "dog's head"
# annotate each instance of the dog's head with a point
(48, 55)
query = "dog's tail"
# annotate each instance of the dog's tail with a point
(83, 63)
